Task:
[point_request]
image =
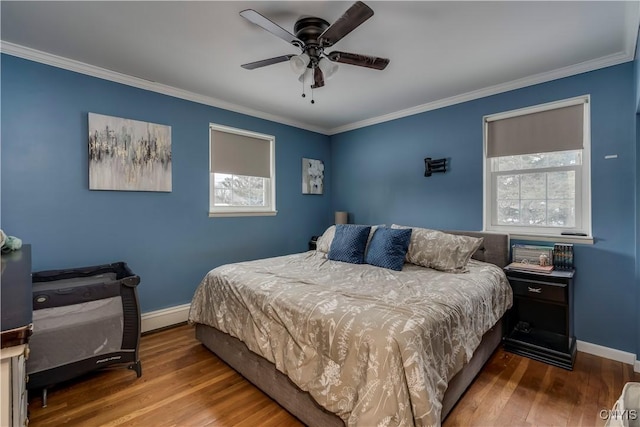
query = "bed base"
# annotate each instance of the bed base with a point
(264, 375)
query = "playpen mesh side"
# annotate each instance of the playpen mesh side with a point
(67, 334)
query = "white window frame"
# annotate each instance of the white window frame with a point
(583, 181)
(270, 193)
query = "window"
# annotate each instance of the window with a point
(537, 170)
(241, 173)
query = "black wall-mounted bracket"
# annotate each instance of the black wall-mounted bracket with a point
(432, 166)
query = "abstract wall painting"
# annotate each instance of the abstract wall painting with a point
(128, 155)
(312, 176)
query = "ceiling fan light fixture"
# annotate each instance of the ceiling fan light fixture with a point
(312, 36)
(328, 68)
(307, 76)
(299, 63)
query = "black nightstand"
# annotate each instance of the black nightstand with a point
(540, 325)
(313, 243)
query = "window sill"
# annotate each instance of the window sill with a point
(585, 240)
(232, 214)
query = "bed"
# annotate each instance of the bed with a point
(344, 344)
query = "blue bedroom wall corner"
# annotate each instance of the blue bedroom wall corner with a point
(378, 177)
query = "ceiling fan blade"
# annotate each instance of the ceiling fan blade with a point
(360, 60)
(318, 78)
(265, 62)
(275, 29)
(349, 21)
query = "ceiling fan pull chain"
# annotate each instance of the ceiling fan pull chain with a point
(303, 94)
(312, 100)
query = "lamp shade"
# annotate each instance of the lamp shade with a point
(299, 63)
(342, 217)
(328, 68)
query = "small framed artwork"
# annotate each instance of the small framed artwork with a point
(128, 155)
(312, 176)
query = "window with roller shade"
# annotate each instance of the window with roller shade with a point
(241, 172)
(537, 170)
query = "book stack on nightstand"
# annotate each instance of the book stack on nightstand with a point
(540, 325)
(563, 256)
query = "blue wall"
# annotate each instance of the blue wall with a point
(166, 238)
(375, 173)
(378, 177)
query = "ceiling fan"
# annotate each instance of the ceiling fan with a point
(314, 35)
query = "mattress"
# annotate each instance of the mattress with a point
(373, 346)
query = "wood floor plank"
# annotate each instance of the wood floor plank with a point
(517, 408)
(499, 394)
(553, 404)
(184, 384)
(586, 412)
(155, 389)
(500, 364)
(581, 381)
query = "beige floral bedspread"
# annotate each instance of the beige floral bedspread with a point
(375, 346)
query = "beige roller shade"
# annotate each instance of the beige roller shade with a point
(560, 129)
(240, 155)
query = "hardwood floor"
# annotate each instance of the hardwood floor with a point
(183, 384)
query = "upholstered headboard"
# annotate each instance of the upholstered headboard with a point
(494, 248)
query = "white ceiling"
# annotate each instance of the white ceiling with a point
(441, 52)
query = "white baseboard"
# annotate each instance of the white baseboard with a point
(165, 317)
(609, 353)
(179, 314)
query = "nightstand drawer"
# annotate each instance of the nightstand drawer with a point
(540, 290)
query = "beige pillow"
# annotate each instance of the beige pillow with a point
(324, 242)
(440, 251)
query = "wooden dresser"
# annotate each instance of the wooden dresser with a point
(16, 322)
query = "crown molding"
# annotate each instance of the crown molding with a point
(137, 82)
(632, 22)
(605, 61)
(102, 73)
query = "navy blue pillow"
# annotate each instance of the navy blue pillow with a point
(349, 243)
(388, 247)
